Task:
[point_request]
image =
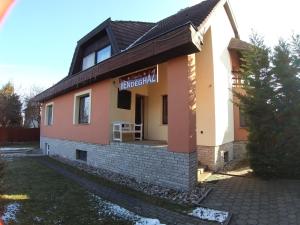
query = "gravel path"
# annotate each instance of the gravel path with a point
(131, 203)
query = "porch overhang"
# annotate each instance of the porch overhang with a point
(180, 41)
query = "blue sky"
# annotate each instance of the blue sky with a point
(38, 38)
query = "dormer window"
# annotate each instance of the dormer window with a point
(96, 57)
(88, 61)
(103, 54)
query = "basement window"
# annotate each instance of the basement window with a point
(226, 157)
(81, 155)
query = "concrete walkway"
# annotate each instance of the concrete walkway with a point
(9, 152)
(131, 203)
(256, 202)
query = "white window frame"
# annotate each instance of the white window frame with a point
(91, 56)
(76, 106)
(46, 114)
(101, 50)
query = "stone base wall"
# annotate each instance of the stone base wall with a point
(144, 163)
(213, 156)
(239, 150)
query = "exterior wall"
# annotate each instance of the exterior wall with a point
(144, 163)
(205, 100)
(157, 130)
(215, 115)
(182, 104)
(63, 128)
(222, 33)
(153, 127)
(240, 133)
(240, 150)
(213, 156)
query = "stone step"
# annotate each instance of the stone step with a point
(201, 169)
(203, 176)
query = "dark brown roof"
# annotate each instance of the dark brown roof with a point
(126, 32)
(194, 14)
(131, 40)
(239, 45)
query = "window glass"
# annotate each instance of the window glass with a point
(49, 114)
(242, 119)
(124, 99)
(88, 61)
(84, 109)
(165, 109)
(103, 54)
(81, 155)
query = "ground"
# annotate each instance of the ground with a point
(52, 199)
(254, 201)
(50, 192)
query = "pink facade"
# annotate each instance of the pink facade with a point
(181, 97)
(97, 132)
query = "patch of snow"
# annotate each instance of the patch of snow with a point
(10, 212)
(210, 214)
(147, 221)
(111, 209)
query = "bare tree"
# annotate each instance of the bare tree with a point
(32, 109)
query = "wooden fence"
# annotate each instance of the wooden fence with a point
(19, 135)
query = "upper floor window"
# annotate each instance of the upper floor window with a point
(243, 122)
(82, 108)
(103, 54)
(88, 61)
(49, 114)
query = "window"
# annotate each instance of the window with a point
(81, 155)
(165, 109)
(124, 99)
(82, 107)
(242, 119)
(88, 61)
(49, 114)
(226, 157)
(103, 54)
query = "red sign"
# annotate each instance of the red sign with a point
(147, 76)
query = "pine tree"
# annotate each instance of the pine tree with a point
(286, 75)
(271, 105)
(10, 107)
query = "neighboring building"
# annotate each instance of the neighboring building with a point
(174, 77)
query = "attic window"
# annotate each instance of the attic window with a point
(88, 61)
(103, 54)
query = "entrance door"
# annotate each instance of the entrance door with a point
(139, 111)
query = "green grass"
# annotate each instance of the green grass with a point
(124, 189)
(47, 197)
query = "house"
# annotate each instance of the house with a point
(150, 100)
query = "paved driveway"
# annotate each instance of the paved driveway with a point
(256, 202)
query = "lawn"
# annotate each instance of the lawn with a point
(45, 197)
